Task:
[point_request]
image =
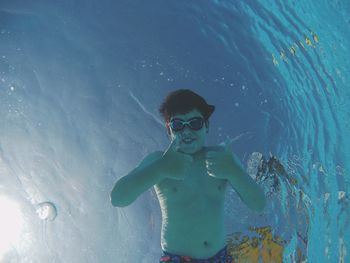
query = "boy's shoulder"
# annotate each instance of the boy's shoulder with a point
(153, 156)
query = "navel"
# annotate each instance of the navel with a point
(206, 243)
(174, 189)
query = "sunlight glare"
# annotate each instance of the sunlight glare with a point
(10, 224)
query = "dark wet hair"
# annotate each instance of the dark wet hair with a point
(183, 101)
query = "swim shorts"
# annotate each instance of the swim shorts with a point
(221, 257)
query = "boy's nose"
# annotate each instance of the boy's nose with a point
(186, 130)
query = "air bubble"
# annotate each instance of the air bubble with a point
(46, 211)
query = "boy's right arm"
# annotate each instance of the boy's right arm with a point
(144, 176)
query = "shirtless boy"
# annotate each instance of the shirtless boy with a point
(190, 180)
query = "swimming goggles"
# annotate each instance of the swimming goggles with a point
(195, 123)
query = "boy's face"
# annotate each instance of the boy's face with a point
(197, 137)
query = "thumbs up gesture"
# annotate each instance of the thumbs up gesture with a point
(175, 165)
(221, 164)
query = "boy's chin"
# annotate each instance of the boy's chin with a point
(189, 150)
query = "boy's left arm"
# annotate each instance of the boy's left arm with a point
(224, 165)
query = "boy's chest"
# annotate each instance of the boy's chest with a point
(197, 184)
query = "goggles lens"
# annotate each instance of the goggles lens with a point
(195, 123)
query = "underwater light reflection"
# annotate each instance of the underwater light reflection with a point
(11, 222)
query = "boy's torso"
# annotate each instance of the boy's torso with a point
(193, 212)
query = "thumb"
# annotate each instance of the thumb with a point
(174, 146)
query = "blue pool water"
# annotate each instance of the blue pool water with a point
(80, 85)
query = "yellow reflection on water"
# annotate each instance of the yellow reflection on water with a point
(10, 224)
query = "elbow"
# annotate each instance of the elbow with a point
(256, 201)
(118, 196)
(260, 203)
(257, 206)
(118, 201)
(260, 206)
(115, 202)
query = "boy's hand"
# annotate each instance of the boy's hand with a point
(174, 164)
(221, 164)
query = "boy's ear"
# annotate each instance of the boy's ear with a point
(207, 125)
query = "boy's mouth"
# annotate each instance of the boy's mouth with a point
(188, 140)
